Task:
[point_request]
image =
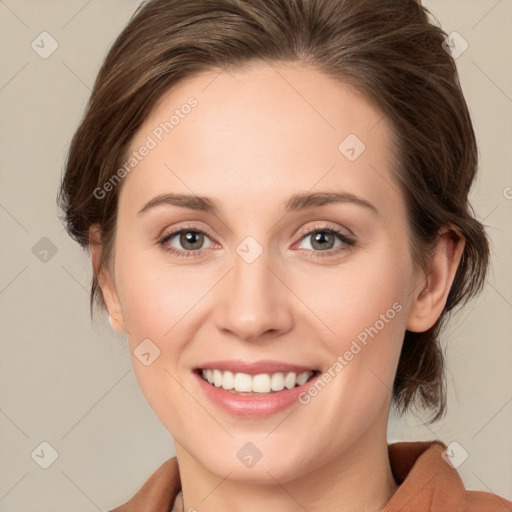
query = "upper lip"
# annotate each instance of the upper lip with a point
(254, 368)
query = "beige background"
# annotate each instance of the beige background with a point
(70, 383)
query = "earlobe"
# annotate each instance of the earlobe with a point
(115, 315)
(106, 282)
(115, 324)
(432, 290)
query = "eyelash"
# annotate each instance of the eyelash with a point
(347, 241)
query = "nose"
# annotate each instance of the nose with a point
(255, 302)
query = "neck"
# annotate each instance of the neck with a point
(358, 479)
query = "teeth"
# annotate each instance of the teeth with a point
(277, 382)
(228, 380)
(261, 383)
(302, 378)
(289, 380)
(243, 382)
(217, 378)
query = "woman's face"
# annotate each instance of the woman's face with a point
(261, 279)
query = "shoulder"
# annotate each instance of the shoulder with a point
(158, 492)
(429, 482)
(478, 501)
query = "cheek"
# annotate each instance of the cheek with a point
(154, 295)
(350, 299)
(155, 301)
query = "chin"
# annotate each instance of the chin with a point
(281, 465)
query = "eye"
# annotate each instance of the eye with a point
(191, 239)
(323, 241)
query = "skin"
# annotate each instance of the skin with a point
(256, 137)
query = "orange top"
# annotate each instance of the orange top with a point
(427, 483)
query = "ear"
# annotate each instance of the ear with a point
(106, 280)
(431, 290)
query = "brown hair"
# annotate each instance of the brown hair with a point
(389, 51)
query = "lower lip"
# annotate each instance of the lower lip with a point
(254, 406)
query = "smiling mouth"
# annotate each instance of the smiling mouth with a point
(260, 384)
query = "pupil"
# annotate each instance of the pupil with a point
(188, 238)
(321, 237)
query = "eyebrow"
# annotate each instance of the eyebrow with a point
(296, 202)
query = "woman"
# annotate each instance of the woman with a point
(275, 197)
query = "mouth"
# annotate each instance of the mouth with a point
(260, 384)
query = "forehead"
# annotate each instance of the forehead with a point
(261, 131)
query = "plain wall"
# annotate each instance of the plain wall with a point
(70, 383)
